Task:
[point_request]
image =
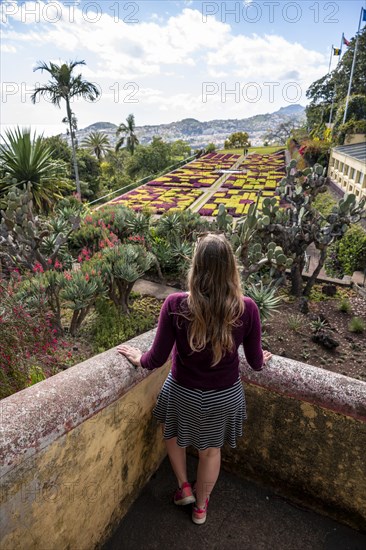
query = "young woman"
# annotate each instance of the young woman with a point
(202, 402)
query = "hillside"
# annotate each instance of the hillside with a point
(199, 134)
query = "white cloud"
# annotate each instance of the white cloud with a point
(7, 48)
(169, 58)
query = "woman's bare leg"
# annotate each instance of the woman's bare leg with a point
(177, 457)
(207, 473)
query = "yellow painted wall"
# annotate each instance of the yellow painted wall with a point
(310, 454)
(72, 494)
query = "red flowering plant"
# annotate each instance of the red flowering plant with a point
(44, 287)
(27, 339)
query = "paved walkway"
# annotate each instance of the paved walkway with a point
(242, 516)
(208, 192)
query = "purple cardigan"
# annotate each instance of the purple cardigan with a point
(192, 369)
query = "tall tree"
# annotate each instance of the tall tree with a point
(97, 143)
(237, 139)
(333, 87)
(65, 85)
(127, 133)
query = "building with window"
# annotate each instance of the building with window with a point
(347, 168)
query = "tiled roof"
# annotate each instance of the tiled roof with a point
(356, 151)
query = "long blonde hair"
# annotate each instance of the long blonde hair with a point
(215, 300)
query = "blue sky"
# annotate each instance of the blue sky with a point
(168, 60)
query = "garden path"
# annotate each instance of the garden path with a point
(210, 191)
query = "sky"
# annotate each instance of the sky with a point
(168, 60)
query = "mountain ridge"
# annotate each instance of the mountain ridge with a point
(199, 134)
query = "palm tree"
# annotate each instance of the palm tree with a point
(128, 134)
(28, 159)
(97, 143)
(64, 85)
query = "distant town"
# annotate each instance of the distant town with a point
(199, 134)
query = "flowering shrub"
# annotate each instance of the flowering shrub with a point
(27, 339)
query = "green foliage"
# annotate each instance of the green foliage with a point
(316, 152)
(80, 291)
(356, 325)
(89, 173)
(348, 254)
(161, 248)
(334, 86)
(237, 139)
(295, 322)
(27, 159)
(111, 327)
(121, 266)
(180, 149)
(150, 159)
(356, 117)
(345, 306)
(265, 298)
(127, 133)
(36, 375)
(59, 149)
(210, 148)
(182, 225)
(319, 324)
(324, 203)
(97, 143)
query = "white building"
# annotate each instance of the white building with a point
(347, 168)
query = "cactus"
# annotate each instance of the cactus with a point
(253, 255)
(223, 219)
(22, 233)
(303, 225)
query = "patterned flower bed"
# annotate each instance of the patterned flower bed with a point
(198, 173)
(160, 199)
(263, 173)
(237, 201)
(180, 188)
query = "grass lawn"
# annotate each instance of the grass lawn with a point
(262, 150)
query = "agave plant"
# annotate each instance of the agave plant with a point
(27, 159)
(122, 266)
(265, 298)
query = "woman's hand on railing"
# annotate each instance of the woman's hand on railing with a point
(132, 354)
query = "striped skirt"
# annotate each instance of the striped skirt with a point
(201, 418)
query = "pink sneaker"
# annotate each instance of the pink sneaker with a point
(184, 495)
(199, 515)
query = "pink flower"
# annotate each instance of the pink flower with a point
(37, 268)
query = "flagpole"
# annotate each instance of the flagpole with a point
(335, 86)
(353, 68)
(330, 60)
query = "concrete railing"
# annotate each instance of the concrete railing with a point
(306, 438)
(77, 448)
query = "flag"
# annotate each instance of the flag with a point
(363, 14)
(336, 51)
(346, 42)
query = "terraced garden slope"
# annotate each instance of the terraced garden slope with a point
(215, 178)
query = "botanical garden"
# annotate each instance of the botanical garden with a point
(81, 223)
